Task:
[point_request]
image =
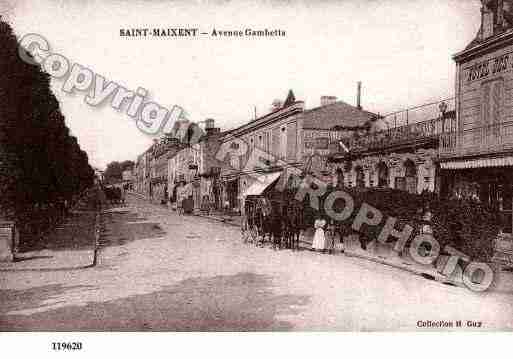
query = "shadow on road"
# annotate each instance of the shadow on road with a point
(76, 233)
(240, 302)
(123, 226)
(31, 298)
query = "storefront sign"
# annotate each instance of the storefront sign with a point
(494, 66)
(320, 143)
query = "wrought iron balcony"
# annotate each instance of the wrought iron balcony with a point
(483, 140)
(407, 135)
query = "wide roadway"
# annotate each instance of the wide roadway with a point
(161, 271)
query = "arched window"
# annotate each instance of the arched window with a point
(291, 182)
(340, 178)
(410, 176)
(383, 177)
(360, 177)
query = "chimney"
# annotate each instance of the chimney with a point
(328, 100)
(359, 96)
(491, 17)
(209, 123)
(210, 129)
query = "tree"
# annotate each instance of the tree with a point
(113, 172)
(127, 165)
(42, 164)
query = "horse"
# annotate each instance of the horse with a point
(276, 224)
(293, 225)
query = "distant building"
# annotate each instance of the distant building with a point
(99, 175)
(193, 172)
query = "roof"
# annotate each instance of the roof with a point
(338, 114)
(290, 99)
(286, 111)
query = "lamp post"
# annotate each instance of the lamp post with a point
(443, 109)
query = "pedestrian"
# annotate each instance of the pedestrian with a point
(179, 205)
(226, 207)
(341, 238)
(319, 240)
(330, 237)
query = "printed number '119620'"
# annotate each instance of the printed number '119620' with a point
(67, 346)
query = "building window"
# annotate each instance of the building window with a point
(492, 100)
(400, 183)
(360, 177)
(283, 143)
(340, 178)
(410, 176)
(234, 162)
(498, 193)
(383, 176)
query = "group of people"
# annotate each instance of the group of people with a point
(325, 235)
(281, 225)
(115, 194)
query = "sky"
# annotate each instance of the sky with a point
(400, 49)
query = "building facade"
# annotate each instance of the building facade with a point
(272, 143)
(403, 157)
(476, 158)
(285, 143)
(193, 172)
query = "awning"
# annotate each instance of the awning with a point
(262, 182)
(478, 163)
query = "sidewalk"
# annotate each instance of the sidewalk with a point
(69, 246)
(383, 254)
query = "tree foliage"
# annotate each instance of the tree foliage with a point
(42, 164)
(114, 171)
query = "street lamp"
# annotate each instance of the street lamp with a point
(443, 108)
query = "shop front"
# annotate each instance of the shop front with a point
(476, 156)
(232, 194)
(185, 197)
(487, 180)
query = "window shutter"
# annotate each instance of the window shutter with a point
(276, 142)
(291, 141)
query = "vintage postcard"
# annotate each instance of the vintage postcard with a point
(256, 166)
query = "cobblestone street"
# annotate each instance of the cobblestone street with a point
(160, 271)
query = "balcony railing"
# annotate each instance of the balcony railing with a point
(403, 135)
(420, 113)
(494, 138)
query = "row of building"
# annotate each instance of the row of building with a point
(462, 148)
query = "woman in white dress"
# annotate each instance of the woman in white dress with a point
(319, 240)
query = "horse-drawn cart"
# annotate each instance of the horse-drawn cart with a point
(273, 217)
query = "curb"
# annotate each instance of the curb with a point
(437, 277)
(222, 220)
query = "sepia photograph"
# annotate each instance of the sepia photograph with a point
(255, 166)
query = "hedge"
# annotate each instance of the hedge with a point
(466, 225)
